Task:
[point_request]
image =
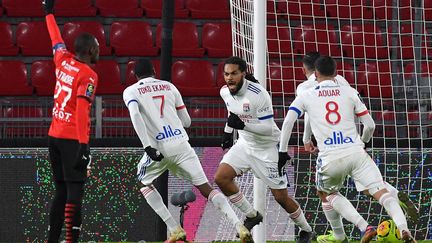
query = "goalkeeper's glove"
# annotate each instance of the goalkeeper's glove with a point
(235, 122)
(227, 140)
(84, 157)
(283, 159)
(48, 6)
(153, 153)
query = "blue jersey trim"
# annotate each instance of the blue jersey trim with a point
(265, 117)
(253, 88)
(296, 110)
(59, 45)
(131, 101)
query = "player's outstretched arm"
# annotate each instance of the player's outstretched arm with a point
(368, 127)
(53, 29)
(287, 127)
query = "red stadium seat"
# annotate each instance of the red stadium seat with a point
(130, 74)
(387, 120)
(109, 77)
(33, 39)
(405, 41)
(347, 71)
(43, 77)
(360, 41)
(1, 11)
(208, 9)
(284, 77)
(348, 9)
(185, 40)
(374, 78)
(305, 9)
(7, 47)
(192, 83)
(153, 8)
(13, 79)
(31, 124)
(406, 9)
(428, 10)
(116, 122)
(217, 40)
(116, 8)
(320, 37)
(132, 38)
(23, 8)
(383, 9)
(74, 8)
(207, 121)
(72, 30)
(279, 41)
(425, 70)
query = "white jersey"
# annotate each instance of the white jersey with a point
(332, 109)
(312, 82)
(252, 104)
(158, 104)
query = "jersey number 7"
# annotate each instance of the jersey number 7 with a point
(160, 103)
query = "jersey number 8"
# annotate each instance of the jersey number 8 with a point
(332, 108)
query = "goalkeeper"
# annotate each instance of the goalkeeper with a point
(251, 113)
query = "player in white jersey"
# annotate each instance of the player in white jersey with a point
(335, 220)
(332, 109)
(251, 112)
(159, 116)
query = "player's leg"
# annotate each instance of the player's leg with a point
(235, 163)
(56, 216)
(75, 179)
(148, 171)
(368, 175)
(334, 218)
(330, 177)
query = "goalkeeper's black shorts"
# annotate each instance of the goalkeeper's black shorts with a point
(63, 154)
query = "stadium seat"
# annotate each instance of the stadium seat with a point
(115, 8)
(284, 78)
(217, 39)
(30, 124)
(386, 123)
(1, 11)
(23, 8)
(304, 9)
(360, 41)
(109, 78)
(425, 70)
(405, 41)
(13, 79)
(33, 39)
(153, 8)
(406, 10)
(208, 120)
(74, 8)
(185, 40)
(72, 30)
(130, 74)
(7, 47)
(279, 41)
(348, 9)
(318, 37)
(116, 122)
(208, 9)
(347, 71)
(374, 78)
(191, 82)
(428, 10)
(132, 38)
(382, 9)
(43, 77)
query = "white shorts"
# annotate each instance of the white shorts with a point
(185, 165)
(262, 162)
(331, 174)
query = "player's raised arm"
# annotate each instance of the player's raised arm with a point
(53, 29)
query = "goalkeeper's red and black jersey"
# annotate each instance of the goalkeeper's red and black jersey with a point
(74, 79)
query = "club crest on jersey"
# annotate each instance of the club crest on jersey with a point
(90, 90)
(246, 107)
(168, 132)
(338, 138)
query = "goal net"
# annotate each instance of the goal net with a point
(383, 48)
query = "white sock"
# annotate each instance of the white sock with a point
(392, 190)
(221, 203)
(335, 221)
(155, 201)
(393, 208)
(347, 210)
(242, 203)
(300, 220)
